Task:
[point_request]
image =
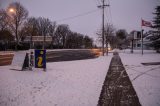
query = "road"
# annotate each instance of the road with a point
(68, 55)
(57, 55)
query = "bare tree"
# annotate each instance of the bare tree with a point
(17, 14)
(109, 33)
(39, 27)
(109, 30)
(5, 38)
(52, 29)
(5, 34)
(61, 33)
(3, 20)
(43, 28)
(110, 38)
(30, 27)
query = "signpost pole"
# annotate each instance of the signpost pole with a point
(44, 39)
(31, 54)
(142, 40)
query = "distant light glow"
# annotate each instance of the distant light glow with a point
(11, 10)
(97, 52)
(109, 49)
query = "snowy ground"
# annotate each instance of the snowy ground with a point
(145, 79)
(78, 83)
(70, 83)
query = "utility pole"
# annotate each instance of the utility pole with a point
(102, 7)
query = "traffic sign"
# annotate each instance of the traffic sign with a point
(18, 60)
(40, 58)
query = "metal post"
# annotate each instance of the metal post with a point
(31, 41)
(31, 54)
(44, 39)
(132, 46)
(142, 40)
(107, 44)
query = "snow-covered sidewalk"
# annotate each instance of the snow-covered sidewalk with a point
(145, 79)
(70, 83)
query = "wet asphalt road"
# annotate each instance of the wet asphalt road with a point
(69, 55)
(56, 56)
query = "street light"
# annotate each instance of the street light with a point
(13, 12)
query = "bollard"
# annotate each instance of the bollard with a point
(31, 60)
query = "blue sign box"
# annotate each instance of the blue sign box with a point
(40, 58)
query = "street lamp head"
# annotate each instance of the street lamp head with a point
(11, 10)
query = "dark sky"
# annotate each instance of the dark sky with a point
(123, 14)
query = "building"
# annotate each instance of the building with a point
(38, 41)
(137, 40)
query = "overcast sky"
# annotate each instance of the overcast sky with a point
(123, 14)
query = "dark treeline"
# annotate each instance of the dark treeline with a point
(16, 26)
(156, 32)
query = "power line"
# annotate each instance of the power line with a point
(110, 12)
(99, 2)
(106, 13)
(76, 16)
(95, 1)
(108, 16)
(106, 19)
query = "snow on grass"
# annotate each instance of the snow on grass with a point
(145, 79)
(70, 83)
